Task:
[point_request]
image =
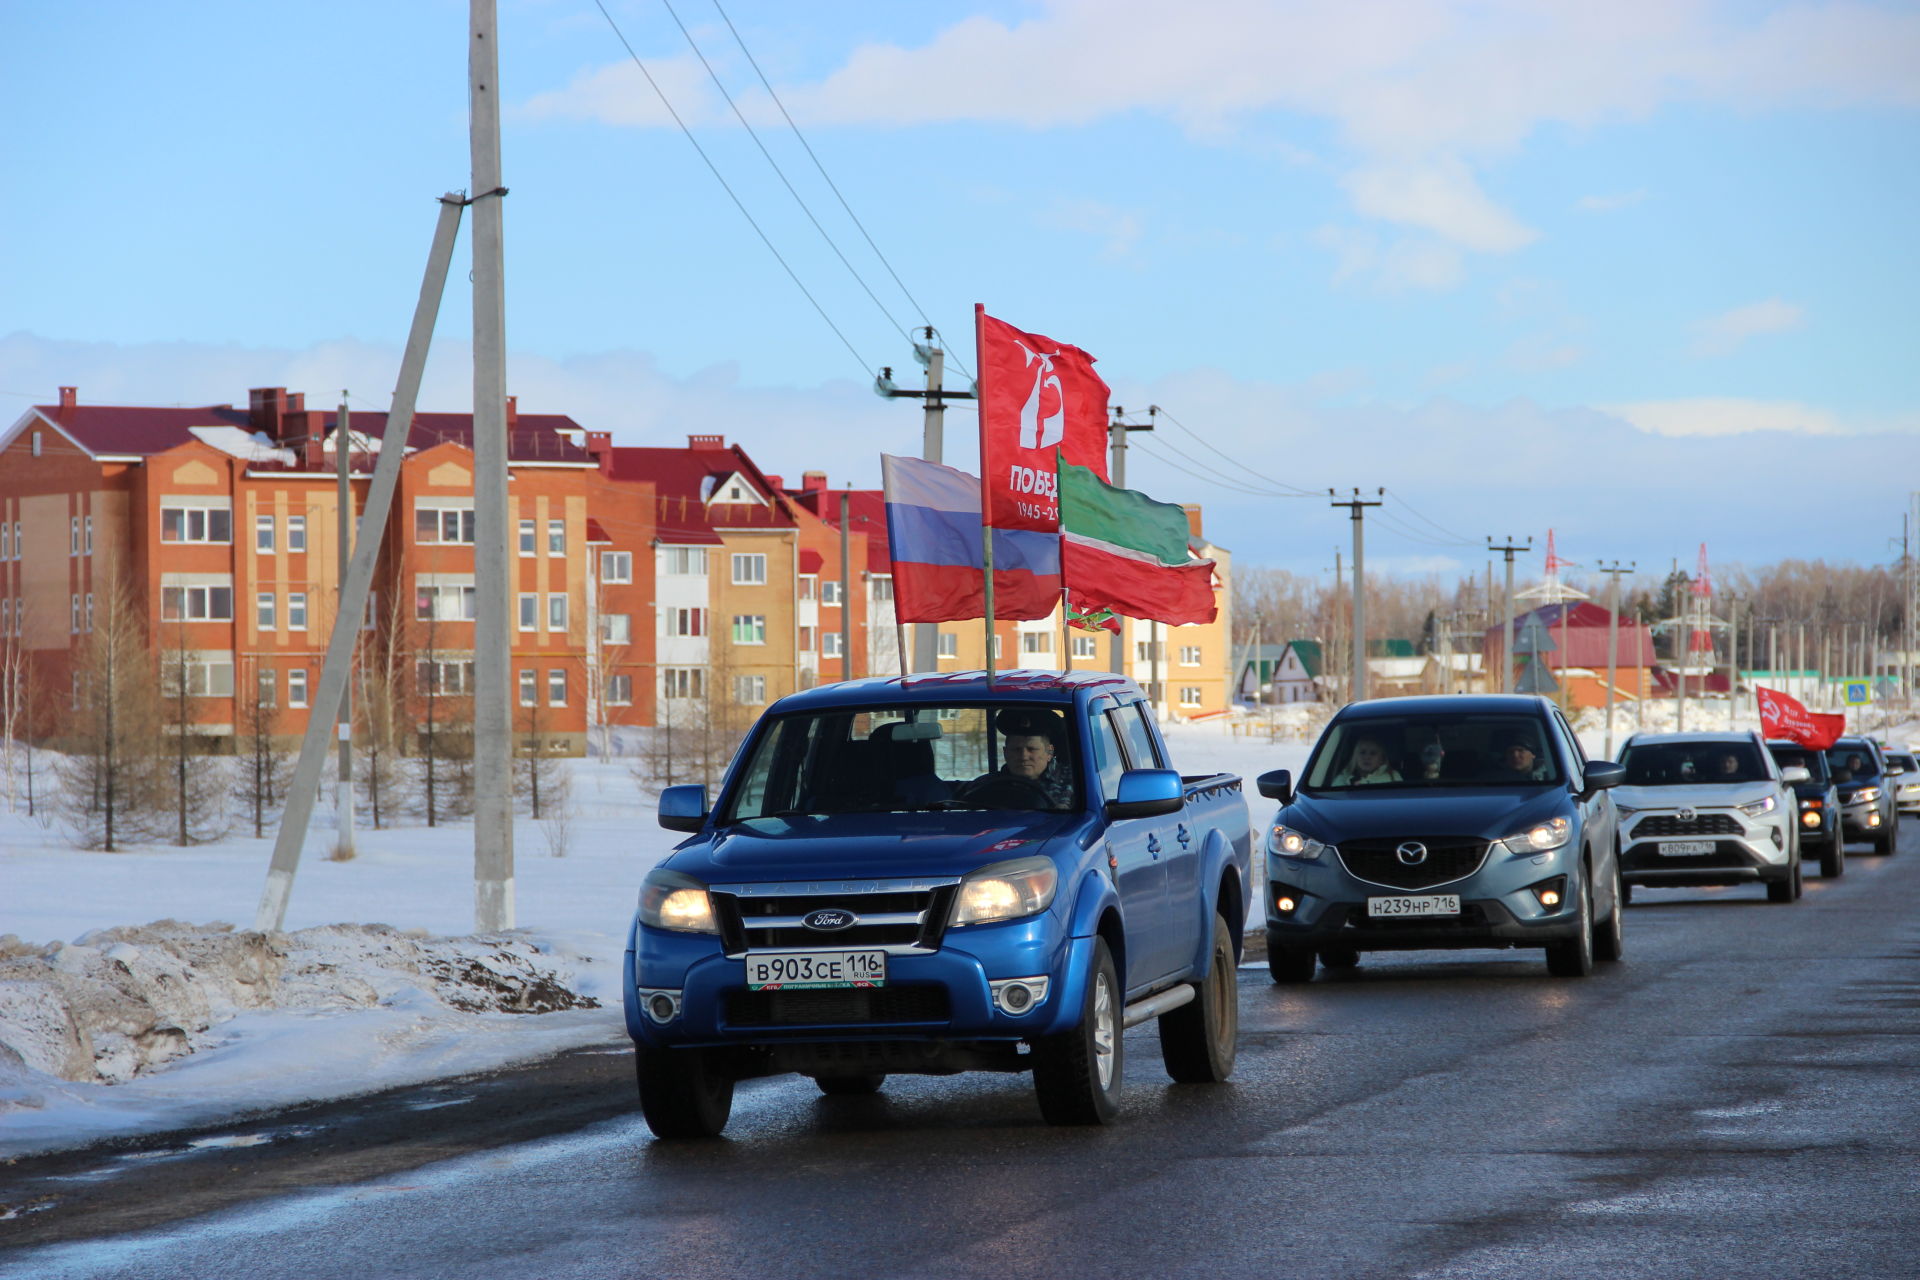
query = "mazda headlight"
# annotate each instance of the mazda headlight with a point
(1543, 838)
(1006, 891)
(673, 900)
(1765, 804)
(1289, 843)
(1865, 794)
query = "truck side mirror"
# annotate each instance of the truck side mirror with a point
(1148, 793)
(683, 808)
(1276, 784)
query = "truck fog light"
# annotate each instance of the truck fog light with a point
(661, 1005)
(1551, 893)
(1018, 995)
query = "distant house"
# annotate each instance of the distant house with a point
(1256, 665)
(1578, 660)
(1299, 677)
(1453, 673)
(1395, 677)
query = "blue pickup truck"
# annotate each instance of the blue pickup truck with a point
(939, 874)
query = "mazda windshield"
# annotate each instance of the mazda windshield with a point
(1364, 752)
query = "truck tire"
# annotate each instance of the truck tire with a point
(1340, 958)
(851, 1086)
(1573, 958)
(1289, 967)
(1076, 1074)
(1833, 860)
(682, 1093)
(1198, 1040)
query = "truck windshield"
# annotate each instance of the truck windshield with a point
(895, 759)
(1432, 751)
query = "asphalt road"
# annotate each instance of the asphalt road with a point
(1739, 1097)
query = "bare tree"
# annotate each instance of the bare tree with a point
(108, 778)
(265, 762)
(19, 703)
(538, 776)
(195, 796)
(380, 716)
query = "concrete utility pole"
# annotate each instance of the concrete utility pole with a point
(493, 907)
(1117, 468)
(1506, 652)
(342, 434)
(846, 590)
(932, 434)
(1613, 644)
(1357, 505)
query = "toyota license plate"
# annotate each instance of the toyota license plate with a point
(1684, 848)
(787, 970)
(1426, 904)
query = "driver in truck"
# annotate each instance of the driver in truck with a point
(1029, 748)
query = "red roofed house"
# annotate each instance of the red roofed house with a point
(1579, 661)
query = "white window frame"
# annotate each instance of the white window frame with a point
(616, 628)
(1036, 642)
(296, 534)
(809, 586)
(749, 568)
(1190, 655)
(683, 682)
(616, 566)
(529, 535)
(830, 644)
(556, 686)
(619, 690)
(755, 628)
(296, 611)
(266, 538)
(687, 561)
(73, 535)
(1191, 695)
(557, 611)
(464, 608)
(529, 686)
(184, 600)
(296, 686)
(196, 524)
(946, 645)
(750, 691)
(1086, 646)
(529, 610)
(449, 521)
(557, 538)
(87, 532)
(685, 620)
(266, 611)
(830, 592)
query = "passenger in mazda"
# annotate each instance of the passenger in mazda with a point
(1519, 762)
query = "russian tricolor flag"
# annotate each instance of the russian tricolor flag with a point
(933, 532)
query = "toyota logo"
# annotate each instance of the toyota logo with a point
(1412, 853)
(829, 920)
(1687, 814)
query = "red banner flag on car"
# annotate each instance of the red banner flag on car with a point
(1784, 717)
(1036, 396)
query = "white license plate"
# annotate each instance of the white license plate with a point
(785, 970)
(1427, 904)
(1682, 848)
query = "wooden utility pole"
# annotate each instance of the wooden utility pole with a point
(1357, 690)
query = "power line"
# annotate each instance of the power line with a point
(1297, 490)
(865, 367)
(1213, 479)
(1221, 477)
(1462, 539)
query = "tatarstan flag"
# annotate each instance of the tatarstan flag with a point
(1121, 550)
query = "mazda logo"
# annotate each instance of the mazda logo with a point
(829, 920)
(1412, 853)
(1687, 814)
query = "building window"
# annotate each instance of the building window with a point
(557, 611)
(266, 686)
(830, 645)
(749, 628)
(297, 687)
(556, 687)
(89, 610)
(263, 536)
(1146, 651)
(882, 588)
(73, 615)
(529, 610)
(263, 612)
(444, 676)
(687, 560)
(195, 604)
(808, 639)
(996, 648)
(527, 532)
(750, 691)
(809, 586)
(686, 622)
(620, 691)
(749, 569)
(73, 536)
(616, 566)
(36, 453)
(443, 524)
(296, 611)
(196, 524)
(297, 533)
(443, 604)
(371, 612)
(206, 675)
(1086, 646)
(947, 644)
(683, 682)
(529, 686)
(556, 537)
(1036, 642)
(87, 533)
(6, 617)
(6, 541)
(830, 591)
(616, 628)
(1189, 655)
(1190, 695)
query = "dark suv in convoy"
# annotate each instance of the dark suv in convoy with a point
(1866, 793)
(1443, 822)
(1818, 804)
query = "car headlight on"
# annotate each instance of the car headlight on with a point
(1544, 838)
(1006, 891)
(673, 900)
(1765, 804)
(1289, 843)
(1866, 794)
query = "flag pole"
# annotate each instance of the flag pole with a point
(986, 501)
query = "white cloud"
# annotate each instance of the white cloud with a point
(1611, 203)
(1727, 416)
(1440, 196)
(1408, 263)
(1723, 334)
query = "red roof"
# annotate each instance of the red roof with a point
(117, 429)
(597, 532)
(1579, 629)
(811, 561)
(684, 479)
(866, 511)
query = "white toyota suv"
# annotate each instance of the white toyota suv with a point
(1708, 808)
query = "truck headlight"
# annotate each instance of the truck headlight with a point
(1289, 843)
(1544, 838)
(673, 900)
(1763, 805)
(1006, 891)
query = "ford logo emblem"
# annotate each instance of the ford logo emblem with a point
(829, 920)
(1412, 853)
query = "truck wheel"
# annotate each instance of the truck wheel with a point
(682, 1093)
(1833, 860)
(1289, 967)
(1197, 1040)
(851, 1086)
(1340, 958)
(1611, 938)
(1574, 957)
(1076, 1074)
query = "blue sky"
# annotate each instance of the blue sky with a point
(1641, 272)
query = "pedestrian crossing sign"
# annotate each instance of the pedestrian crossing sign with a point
(1856, 693)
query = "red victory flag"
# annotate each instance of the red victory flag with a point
(1036, 396)
(1784, 717)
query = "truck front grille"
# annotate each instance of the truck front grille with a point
(1448, 858)
(837, 1006)
(770, 918)
(1668, 824)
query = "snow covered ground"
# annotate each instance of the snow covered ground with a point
(380, 982)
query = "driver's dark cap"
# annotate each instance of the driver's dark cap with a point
(1029, 723)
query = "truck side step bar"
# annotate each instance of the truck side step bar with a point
(1155, 1005)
